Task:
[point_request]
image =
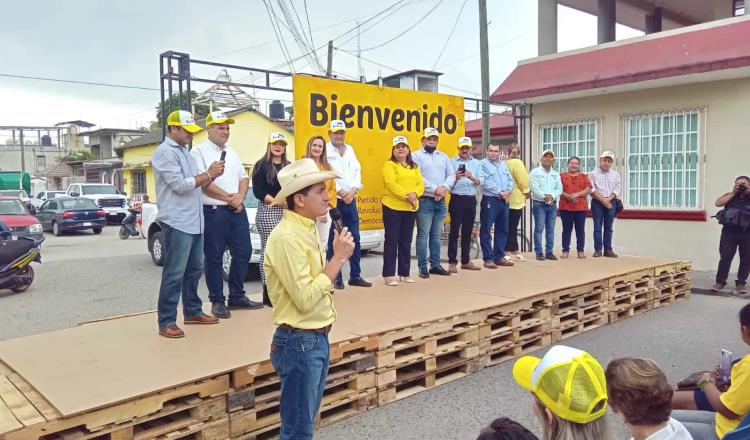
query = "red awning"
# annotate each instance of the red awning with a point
(500, 125)
(725, 45)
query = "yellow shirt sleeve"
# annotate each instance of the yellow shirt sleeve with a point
(292, 267)
(736, 398)
(391, 181)
(521, 177)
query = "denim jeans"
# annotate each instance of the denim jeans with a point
(301, 362)
(430, 219)
(183, 266)
(493, 212)
(604, 219)
(350, 219)
(570, 220)
(700, 424)
(545, 216)
(225, 228)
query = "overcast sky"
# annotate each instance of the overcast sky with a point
(119, 41)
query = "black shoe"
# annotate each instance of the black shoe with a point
(266, 298)
(338, 285)
(359, 282)
(540, 257)
(219, 310)
(550, 257)
(439, 270)
(244, 303)
(597, 254)
(423, 272)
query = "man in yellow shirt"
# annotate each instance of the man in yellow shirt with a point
(299, 285)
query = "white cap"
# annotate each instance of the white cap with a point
(337, 125)
(400, 140)
(608, 154)
(429, 131)
(276, 137)
(464, 141)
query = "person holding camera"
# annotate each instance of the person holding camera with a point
(735, 234)
(463, 205)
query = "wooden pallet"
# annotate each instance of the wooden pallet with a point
(47, 421)
(594, 297)
(630, 300)
(671, 268)
(266, 433)
(539, 302)
(637, 309)
(404, 353)
(573, 328)
(420, 368)
(334, 410)
(425, 330)
(352, 347)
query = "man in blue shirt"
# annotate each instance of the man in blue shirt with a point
(437, 172)
(178, 192)
(497, 185)
(546, 188)
(463, 205)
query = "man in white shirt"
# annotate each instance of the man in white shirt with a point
(226, 221)
(343, 160)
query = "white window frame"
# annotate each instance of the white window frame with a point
(564, 147)
(675, 138)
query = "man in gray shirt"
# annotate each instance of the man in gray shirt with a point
(178, 194)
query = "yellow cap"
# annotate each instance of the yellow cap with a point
(218, 117)
(568, 382)
(181, 118)
(276, 137)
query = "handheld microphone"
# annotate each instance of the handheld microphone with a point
(338, 224)
(223, 155)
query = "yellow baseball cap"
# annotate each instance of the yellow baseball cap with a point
(181, 118)
(218, 117)
(400, 140)
(337, 125)
(276, 137)
(464, 141)
(569, 382)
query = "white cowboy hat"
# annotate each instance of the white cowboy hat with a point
(299, 175)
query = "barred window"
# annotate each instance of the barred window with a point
(662, 160)
(570, 139)
(139, 182)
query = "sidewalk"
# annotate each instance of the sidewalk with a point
(704, 279)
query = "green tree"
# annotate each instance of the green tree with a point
(76, 155)
(201, 110)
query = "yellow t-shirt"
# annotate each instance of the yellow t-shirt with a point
(736, 398)
(521, 178)
(400, 181)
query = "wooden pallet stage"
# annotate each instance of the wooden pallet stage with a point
(116, 379)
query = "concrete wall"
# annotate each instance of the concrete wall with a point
(723, 142)
(10, 157)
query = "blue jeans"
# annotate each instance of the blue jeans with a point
(350, 218)
(301, 362)
(226, 228)
(493, 212)
(430, 219)
(571, 219)
(544, 220)
(183, 265)
(603, 219)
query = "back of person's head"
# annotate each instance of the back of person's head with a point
(745, 323)
(504, 428)
(639, 390)
(570, 393)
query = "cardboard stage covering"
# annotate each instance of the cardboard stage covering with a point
(110, 361)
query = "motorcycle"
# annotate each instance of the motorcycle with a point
(16, 257)
(127, 228)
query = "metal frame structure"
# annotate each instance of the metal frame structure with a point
(176, 67)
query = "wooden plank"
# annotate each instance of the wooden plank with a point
(122, 434)
(18, 404)
(36, 399)
(8, 421)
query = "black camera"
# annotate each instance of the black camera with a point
(741, 187)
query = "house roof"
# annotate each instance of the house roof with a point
(60, 169)
(691, 54)
(500, 124)
(79, 123)
(106, 131)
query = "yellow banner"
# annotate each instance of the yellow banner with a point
(373, 116)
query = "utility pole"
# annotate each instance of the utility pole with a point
(23, 155)
(360, 73)
(485, 70)
(329, 70)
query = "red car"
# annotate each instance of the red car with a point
(15, 215)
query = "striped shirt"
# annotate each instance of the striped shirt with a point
(606, 183)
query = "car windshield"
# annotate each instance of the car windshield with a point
(99, 189)
(250, 200)
(13, 193)
(12, 207)
(53, 194)
(78, 204)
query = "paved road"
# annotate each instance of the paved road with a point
(87, 277)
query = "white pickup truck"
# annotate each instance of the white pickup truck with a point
(106, 196)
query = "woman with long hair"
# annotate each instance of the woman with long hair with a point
(403, 186)
(316, 150)
(570, 393)
(265, 187)
(574, 205)
(517, 199)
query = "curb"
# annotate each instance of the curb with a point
(724, 293)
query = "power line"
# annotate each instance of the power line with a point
(379, 21)
(461, 60)
(450, 34)
(70, 81)
(309, 30)
(279, 38)
(408, 29)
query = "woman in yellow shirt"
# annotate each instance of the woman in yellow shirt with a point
(316, 150)
(403, 187)
(517, 200)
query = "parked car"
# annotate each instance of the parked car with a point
(19, 194)
(15, 215)
(64, 214)
(44, 196)
(106, 196)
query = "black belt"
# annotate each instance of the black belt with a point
(218, 207)
(321, 331)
